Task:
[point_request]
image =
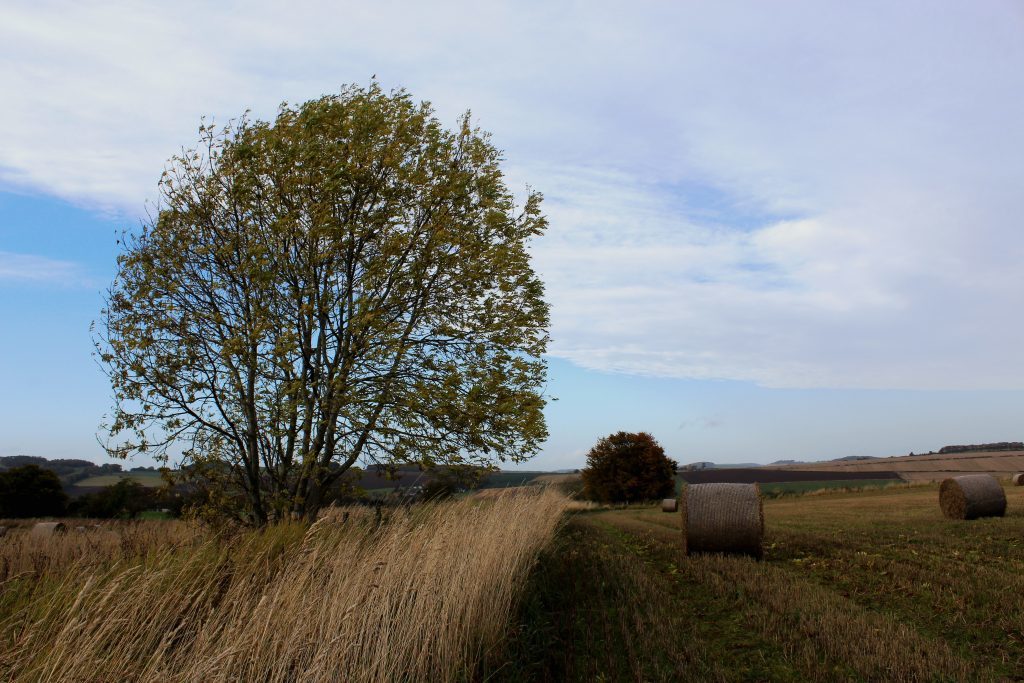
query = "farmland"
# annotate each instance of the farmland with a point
(867, 585)
(873, 585)
(931, 467)
(149, 479)
(821, 485)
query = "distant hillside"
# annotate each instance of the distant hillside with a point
(82, 476)
(931, 467)
(405, 476)
(706, 465)
(150, 479)
(768, 475)
(69, 471)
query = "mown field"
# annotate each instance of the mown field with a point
(873, 585)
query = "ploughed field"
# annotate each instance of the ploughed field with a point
(873, 585)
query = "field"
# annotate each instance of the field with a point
(522, 585)
(925, 467)
(873, 585)
(801, 487)
(151, 479)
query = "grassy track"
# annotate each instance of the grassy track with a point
(874, 585)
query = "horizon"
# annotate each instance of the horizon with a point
(783, 231)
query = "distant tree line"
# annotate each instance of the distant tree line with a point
(34, 491)
(68, 471)
(36, 487)
(999, 446)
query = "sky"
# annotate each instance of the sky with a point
(786, 230)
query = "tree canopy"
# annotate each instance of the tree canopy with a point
(626, 468)
(348, 283)
(31, 491)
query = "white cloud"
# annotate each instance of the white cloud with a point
(39, 269)
(799, 194)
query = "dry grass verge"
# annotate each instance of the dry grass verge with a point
(424, 596)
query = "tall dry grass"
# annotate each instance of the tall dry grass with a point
(425, 595)
(23, 554)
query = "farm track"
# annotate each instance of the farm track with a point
(867, 586)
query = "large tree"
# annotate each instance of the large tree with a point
(348, 283)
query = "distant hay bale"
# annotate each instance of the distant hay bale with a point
(48, 528)
(669, 505)
(1017, 479)
(726, 518)
(970, 496)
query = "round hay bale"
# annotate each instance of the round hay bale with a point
(724, 518)
(970, 496)
(1017, 479)
(48, 528)
(669, 505)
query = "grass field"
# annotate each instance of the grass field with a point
(930, 467)
(151, 479)
(873, 585)
(800, 487)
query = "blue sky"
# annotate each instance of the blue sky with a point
(778, 230)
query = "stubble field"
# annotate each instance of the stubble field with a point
(873, 585)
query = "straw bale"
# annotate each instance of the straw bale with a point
(48, 528)
(1017, 479)
(724, 518)
(970, 496)
(669, 505)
